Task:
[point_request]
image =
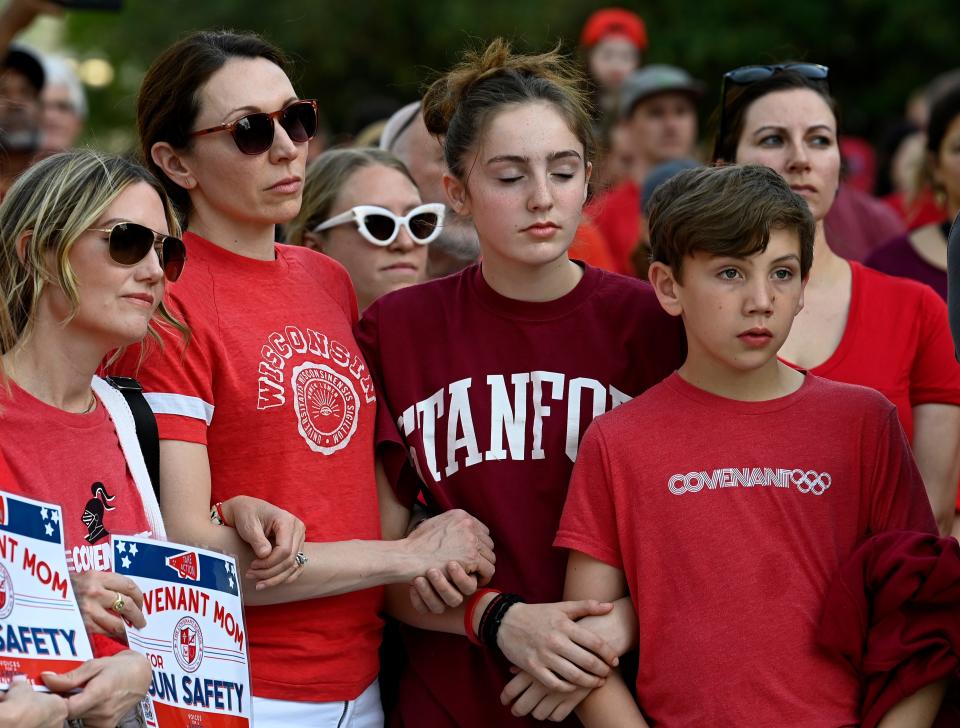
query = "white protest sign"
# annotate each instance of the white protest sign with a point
(195, 636)
(41, 629)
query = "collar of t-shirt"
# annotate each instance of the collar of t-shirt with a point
(735, 406)
(225, 261)
(534, 310)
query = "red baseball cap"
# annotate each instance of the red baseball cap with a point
(614, 21)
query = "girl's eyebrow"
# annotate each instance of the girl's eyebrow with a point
(520, 159)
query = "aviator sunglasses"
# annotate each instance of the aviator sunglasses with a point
(253, 133)
(130, 243)
(745, 75)
(381, 227)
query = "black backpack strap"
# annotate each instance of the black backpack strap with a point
(145, 423)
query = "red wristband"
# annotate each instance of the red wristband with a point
(471, 610)
(218, 507)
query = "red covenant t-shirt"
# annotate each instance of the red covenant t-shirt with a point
(897, 341)
(492, 396)
(273, 383)
(76, 462)
(730, 522)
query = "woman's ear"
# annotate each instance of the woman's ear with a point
(173, 165)
(586, 181)
(667, 288)
(313, 240)
(457, 196)
(21, 245)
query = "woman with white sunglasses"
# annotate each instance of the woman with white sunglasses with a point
(362, 208)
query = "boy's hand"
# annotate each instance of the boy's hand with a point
(546, 641)
(530, 696)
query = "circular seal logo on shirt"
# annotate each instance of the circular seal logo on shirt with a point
(188, 644)
(6, 593)
(327, 405)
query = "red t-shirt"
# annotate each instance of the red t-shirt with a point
(6, 475)
(590, 247)
(617, 214)
(272, 382)
(897, 341)
(76, 462)
(491, 396)
(729, 523)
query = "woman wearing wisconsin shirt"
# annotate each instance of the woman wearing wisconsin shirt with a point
(271, 396)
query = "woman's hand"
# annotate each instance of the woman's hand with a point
(457, 552)
(531, 697)
(545, 641)
(97, 592)
(23, 707)
(109, 688)
(274, 535)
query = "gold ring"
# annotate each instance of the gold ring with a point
(118, 603)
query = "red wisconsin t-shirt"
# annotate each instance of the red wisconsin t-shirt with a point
(730, 523)
(897, 341)
(76, 462)
(491, 397)
(272, 382)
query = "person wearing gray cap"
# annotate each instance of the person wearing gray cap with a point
(658, 112)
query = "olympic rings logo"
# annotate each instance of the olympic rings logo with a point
(810, 481)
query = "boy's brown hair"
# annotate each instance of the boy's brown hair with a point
(726, 210)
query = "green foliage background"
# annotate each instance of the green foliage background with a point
(878, 50)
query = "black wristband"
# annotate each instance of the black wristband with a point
(493, 616)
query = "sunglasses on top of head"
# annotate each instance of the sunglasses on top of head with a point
(746, 75)
(381, 227)
(130, 243)
(253, 133)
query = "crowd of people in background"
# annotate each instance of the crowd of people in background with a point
(473, 372)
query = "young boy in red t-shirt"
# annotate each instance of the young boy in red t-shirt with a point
(724, 499)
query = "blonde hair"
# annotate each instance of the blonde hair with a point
(50, 207)
(326, 177)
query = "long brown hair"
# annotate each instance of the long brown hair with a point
(169, 98)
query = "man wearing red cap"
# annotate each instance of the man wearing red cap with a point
(613, 40)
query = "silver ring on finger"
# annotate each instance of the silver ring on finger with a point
(301, 559)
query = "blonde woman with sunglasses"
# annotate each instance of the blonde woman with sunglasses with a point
(363, 209)
(272, 397)
(86, 246)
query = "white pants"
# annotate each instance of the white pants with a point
(364, 712)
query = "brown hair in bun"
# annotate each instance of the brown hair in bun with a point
(459, 105)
